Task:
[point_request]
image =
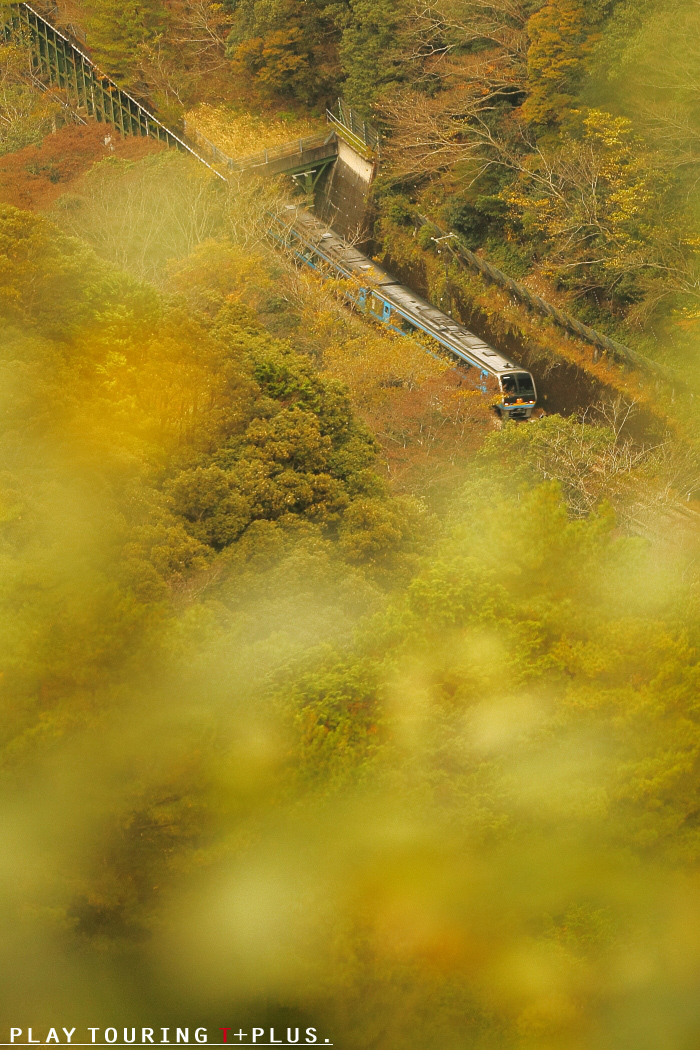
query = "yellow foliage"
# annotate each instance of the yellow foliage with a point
(374, 364)
(559, 40)
(597, 201)
(239, 134)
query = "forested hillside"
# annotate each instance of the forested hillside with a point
(330, 701)
(557, 137)
(453, 759)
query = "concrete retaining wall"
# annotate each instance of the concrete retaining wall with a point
(343, 200)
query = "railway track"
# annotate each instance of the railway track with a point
(380, 296)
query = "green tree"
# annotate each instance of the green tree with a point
(26, 115)
(607, 215)
(287, 47)
(371, 51)
(116, 33)
(280, 63)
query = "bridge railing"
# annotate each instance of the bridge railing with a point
(289, 149)
(258, 160)
(361, 134)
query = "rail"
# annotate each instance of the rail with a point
(370, 299)
(305, 252)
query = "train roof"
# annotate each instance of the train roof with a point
(448, 332)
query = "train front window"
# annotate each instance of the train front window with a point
(509, 385)
(525, 385)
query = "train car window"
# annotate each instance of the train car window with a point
(525, 385)
(509, 385)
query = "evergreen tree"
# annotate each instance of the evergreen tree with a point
(371, 53)
(116, 31)
(287, 47)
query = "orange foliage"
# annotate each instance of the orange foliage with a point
(427, 415)
(34, 177)
(279, 62)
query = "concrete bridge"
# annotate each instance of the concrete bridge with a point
(335, 168)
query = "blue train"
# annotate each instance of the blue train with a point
(380, 295)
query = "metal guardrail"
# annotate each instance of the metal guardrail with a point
(58, 63)
(349, 120)
(348, 136)
(289, 149)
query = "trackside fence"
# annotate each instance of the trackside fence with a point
(518, 291)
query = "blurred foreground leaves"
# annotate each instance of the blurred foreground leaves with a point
(279, 744)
